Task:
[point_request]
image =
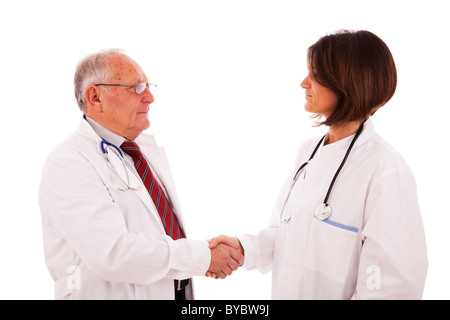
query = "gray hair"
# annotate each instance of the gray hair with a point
(92, 69)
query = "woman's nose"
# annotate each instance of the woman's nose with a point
(306, 83)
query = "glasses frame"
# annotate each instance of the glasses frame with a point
(147, 85)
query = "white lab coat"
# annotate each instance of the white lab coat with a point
(371, 247)
(103, 243)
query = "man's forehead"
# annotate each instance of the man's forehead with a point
(123, 67)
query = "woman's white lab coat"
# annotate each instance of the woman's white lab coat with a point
(103, 243)
(371, 247)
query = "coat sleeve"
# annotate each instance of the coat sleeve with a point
(259, 248)
(393, 262)
(79, 212)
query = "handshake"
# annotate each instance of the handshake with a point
(227, 255)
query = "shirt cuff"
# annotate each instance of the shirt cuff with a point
(201, 255)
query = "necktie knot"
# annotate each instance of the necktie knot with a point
(132, 149)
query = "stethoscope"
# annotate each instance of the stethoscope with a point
(116, 162)
(323, 210)
(129, 179)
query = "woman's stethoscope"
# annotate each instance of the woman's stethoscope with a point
(116, 162)
(323, 211)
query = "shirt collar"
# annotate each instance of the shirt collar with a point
(105, 133)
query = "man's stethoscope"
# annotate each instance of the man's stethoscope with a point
(116, 162)
(323, 211)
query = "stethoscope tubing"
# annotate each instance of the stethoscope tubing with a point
(325, 201)
(323, 211)
(125, 180)
(102, 146)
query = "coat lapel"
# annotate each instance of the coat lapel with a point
(86, 129)
(158, 160)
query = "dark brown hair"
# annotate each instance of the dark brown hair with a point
(359, 68)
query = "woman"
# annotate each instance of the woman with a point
(347, 223)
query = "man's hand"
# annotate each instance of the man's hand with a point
(224, 260)
(233, 248)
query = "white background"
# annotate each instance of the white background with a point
(229, 111)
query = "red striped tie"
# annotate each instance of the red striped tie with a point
(168, 217)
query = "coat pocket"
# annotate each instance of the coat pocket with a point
(330, 249)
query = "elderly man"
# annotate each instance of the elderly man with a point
(112, 224)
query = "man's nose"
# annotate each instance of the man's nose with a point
(148, 96)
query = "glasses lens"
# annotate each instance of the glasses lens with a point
(140, 87)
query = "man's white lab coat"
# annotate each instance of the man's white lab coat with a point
(104, 243)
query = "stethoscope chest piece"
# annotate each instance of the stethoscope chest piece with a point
(323, 211)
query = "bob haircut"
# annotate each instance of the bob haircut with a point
(359, 68)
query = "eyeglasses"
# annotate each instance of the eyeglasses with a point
(139, 87)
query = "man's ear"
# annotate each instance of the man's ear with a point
(93, 98)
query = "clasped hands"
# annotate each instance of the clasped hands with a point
(227, 255)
